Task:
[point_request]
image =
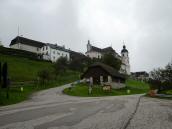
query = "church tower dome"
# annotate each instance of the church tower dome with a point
(124, 49)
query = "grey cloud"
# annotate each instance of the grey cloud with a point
(154, 34)
(144, 25)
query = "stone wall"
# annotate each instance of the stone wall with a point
(117, 85)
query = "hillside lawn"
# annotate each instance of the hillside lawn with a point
(135, 87)
(25, 70)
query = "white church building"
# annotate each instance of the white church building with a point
(95, 52)
(53, 52)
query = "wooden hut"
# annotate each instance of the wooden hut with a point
(103, 74)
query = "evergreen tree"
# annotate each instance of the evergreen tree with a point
(4, 75)
(112, 61)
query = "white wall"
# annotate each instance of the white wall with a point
(53, 54)
(48, 53)
(116, 85)
(15, 46)
(56, 54)
(93, 54)
(45, 50)
(125, 67)
(26, 48)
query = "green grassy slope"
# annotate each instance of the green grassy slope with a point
(140, 87)
(16, 95)
(23, 69)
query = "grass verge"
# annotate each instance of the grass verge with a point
(135, 87)
(167, 92)
(16, 95)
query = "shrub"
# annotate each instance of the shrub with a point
(61, 65)
(76, 65)
(162, 78)
(20, 53)
(0, 74)
(111, 60)
(154, 84)
(44, 76)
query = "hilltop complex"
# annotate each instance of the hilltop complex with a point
(53, 52)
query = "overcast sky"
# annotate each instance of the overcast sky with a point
(144, 25)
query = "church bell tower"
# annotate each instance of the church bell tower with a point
(125, 68)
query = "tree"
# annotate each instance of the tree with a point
(0, 75)
(6, 80)
(112, 61)
(44, 76)
(77, 65)
(162, 77)
(61, 65)
(157, 74)
(168, 72)
(5, 75)
(162, 74)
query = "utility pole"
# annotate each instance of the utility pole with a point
(18, 31)
(18, 37)
(123, 43)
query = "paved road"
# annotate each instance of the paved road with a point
(50, 109)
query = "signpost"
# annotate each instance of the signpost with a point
(6, 80)
(0, 74)
(90, 86)
(4, 75)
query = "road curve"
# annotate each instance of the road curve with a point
(51, 109)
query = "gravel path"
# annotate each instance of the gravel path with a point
(153, 114)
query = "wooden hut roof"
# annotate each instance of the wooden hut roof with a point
(110, 70)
